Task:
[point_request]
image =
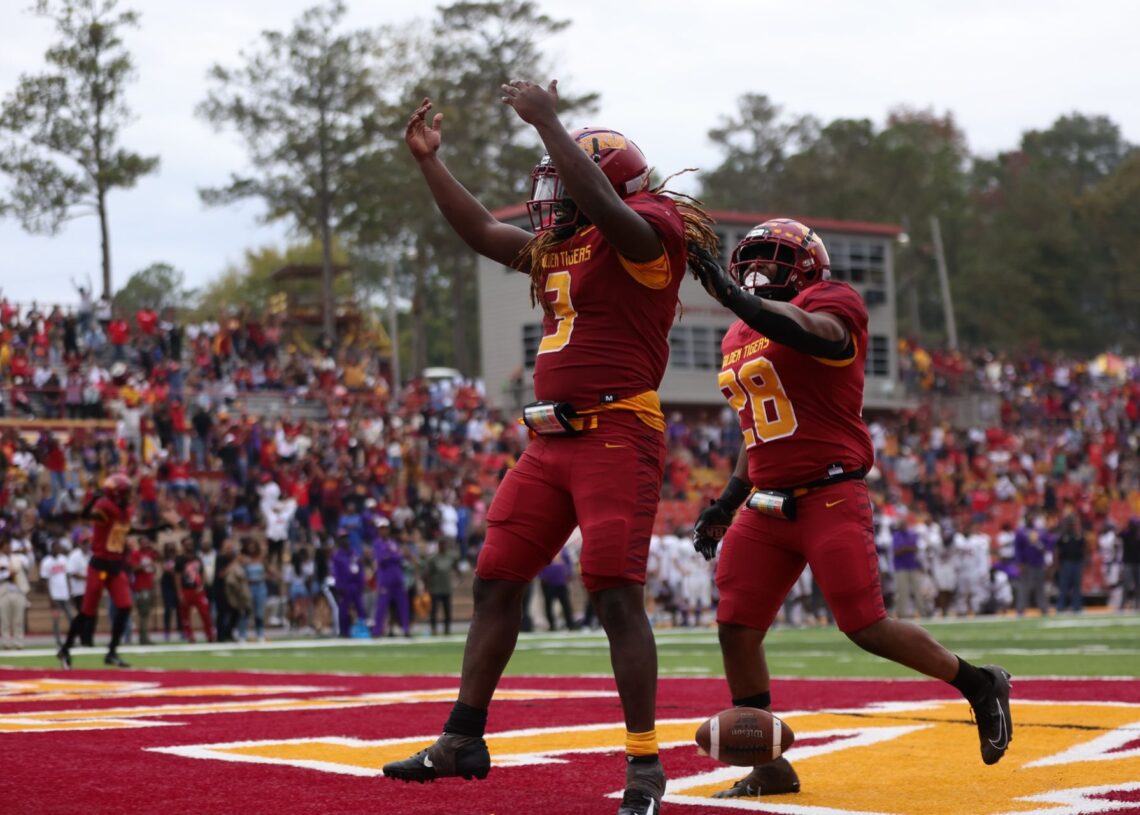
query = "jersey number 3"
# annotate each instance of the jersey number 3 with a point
(564, 313)
(758, 387)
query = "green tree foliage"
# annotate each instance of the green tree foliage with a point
(1113, 211)
(1034, 244)
(305, 103)
(756, 143)
(251, 284)
(156, 287)
(60, 129)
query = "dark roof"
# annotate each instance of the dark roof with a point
(721, 216)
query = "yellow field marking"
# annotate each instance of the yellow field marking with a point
(65, 690)
(94, 718)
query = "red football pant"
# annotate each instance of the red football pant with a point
(607, 481)
(762, 557)
(117, 584)
(197, 599)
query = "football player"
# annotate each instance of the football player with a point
(793, 371)
(605, 264)
(110, 513)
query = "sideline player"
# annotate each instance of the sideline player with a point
(605, 265)
(793, 370)
(110, 512)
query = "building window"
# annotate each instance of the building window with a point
(531, 337)
(878, 355)
(856, 261)
(695, 347)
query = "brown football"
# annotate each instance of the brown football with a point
(744, 736)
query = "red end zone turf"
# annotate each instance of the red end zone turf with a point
(157, 742)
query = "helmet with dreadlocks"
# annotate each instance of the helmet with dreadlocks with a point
(621, 161)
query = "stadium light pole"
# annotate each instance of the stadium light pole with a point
(393, 328)
(944, 281)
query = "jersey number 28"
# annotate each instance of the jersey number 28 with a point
(757, 387)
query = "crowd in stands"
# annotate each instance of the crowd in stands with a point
(310, 496)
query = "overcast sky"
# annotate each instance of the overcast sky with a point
(666, 70)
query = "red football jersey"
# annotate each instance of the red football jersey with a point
(799, 414)
(109, 530)
(610, 329)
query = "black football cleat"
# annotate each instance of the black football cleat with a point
(115, 661)
(777, 777)
(64, 657)
(991, 713)
(644, 786)
(451, 755)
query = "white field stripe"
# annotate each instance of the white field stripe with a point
(744, 805)
(1096, 749)
(220, 751)
(1080, 801)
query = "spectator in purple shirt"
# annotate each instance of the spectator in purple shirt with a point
(1033, 550)
(390, 588)
(348, 577)
(555, 579)
(908, 570)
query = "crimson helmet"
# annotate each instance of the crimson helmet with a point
(117, 487)
(799, 255)
(620, 159)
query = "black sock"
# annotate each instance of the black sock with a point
(119, 622)
(760, 700)
(970, 681)
(78, 622)
(466, 721)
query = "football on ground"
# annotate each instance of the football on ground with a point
(744, 736)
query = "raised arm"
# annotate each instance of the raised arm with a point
(585, 182)
(470, 219)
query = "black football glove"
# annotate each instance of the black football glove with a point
(710, 273)
(710, 527)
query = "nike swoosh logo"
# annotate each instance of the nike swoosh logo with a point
(427, 762)
(830, 504)
(613, 446)
(1002, 740)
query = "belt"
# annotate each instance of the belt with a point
(838, 478)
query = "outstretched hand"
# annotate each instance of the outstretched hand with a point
(423, 139)
(531, 102)
(710, 273)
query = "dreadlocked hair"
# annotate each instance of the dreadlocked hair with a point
(697, 225)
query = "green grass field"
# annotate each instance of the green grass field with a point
(1091, 645)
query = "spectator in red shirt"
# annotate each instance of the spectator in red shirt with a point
(147, 321)
(148, 496)
(145, 564)
(191, 578)
(55, 462)
(190, 511)
(119, 332)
